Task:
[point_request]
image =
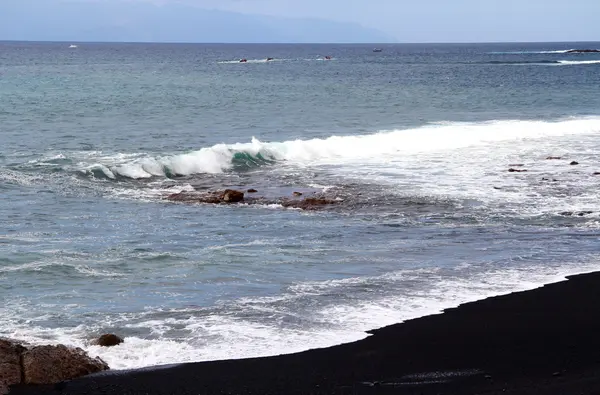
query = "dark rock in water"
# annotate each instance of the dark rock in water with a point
(53, 364)
(297, 193)
(497, 188)
(574, 163)
(177, 197)
(251, 190)
(578, 213)
(210, 199)
(108, 340)
(554, 157)
(309, 203)
(583, 51)
(596, 173)
(232, 196)
(511, 170)
(226, 196)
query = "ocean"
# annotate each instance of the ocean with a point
(414, 142)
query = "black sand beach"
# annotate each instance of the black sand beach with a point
(543, 341)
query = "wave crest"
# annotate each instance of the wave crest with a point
(339, 150)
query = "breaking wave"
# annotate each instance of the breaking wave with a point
(559, 51)
(542, 62)
(380, 146)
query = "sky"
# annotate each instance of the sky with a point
(411, 21)
(442, 20)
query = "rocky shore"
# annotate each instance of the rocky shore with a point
(542, 341)
(21, 363)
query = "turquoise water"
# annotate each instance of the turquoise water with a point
(416, 141)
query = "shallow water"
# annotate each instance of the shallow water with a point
(416, 141)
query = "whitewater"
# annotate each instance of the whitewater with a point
(379, 146)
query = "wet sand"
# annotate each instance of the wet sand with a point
(543, 341)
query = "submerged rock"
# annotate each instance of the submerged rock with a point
(309, 203)
(108, 340)
(251, 190)
(511, 170)
(574, 163)
(577, 213)
(53, 364)
(226, 196)
(230, 196)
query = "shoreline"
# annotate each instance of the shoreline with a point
(540, 341)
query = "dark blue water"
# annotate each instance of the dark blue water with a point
(414, 142)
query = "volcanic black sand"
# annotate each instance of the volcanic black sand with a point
(544, 341)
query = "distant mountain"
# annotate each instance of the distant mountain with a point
(127, 21)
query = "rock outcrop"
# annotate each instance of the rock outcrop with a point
(10, 363)
(219, 197)
(24, 364)
(53, 364)
(232, 196)
(108, 340)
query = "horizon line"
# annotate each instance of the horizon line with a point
(296, 43)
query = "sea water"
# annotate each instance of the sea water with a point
(415, 142)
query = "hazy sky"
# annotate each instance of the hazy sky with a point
(426, 20)
(443, 20)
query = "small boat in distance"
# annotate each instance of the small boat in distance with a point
(377, 50)
(72, 46)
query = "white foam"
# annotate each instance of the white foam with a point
(378, 147)
(578, 62)
(252, 61)
(183, 335)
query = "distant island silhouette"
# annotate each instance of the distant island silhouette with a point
(122, 21)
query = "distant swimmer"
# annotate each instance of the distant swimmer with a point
(327, 57)
(243, 60)
(269, 59)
